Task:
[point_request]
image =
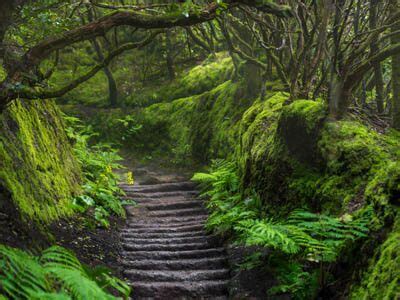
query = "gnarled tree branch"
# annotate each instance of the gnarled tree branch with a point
(30, 93)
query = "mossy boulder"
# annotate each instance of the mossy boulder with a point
(382, 278)
(200, 79)
(299, 126)
(37, 167)
(278, 149)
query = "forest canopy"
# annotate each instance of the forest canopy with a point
(333, 49)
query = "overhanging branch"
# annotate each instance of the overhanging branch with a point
(139, 20)
(31, 93)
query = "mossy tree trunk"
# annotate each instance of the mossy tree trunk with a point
(396, 71)
(169, 55)
(6, 9)
(379, 85)
(112, 85)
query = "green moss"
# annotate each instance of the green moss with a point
(275, 143)
(2, 74)
(207, 122)
(310, 112)
(382, 279)
(359, 164)
(36, 162)
(330, 166)
(202, 78)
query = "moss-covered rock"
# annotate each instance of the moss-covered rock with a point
(209, 74)
(37, 167)
(204, 126)
(382, 279)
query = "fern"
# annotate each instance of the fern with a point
(303, 238)
(294, 280)
(56, 274)
(101, 189)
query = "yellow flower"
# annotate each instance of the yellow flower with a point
(129, 178)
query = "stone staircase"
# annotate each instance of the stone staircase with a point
(167, 253)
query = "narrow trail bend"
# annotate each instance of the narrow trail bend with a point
(167, 253)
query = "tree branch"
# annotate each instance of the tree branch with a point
(139, 20)
(356, 75)
(31, 93)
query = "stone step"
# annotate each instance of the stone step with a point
(168, 241)
(183, 254)
(141, 200)
(170, 205)
(157, 229)
(142, 225)
(133, 221)
(181, 276)
(207, 289)
(127, 234)
(162, 187)
(159, 195)
(178, 212)
(177, 264)
(167, 253)
(164, 247)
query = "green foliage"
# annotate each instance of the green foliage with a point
(56, 274)
(302, 237)
(101, 189)
(316, 237)
(221, 186)
(294, 280)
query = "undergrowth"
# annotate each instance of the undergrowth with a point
(101, 194)
(55, 274)
(302, 245)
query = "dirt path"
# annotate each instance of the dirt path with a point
(167, 253)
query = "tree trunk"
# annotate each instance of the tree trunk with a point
(6, 10)
(379, 84)
(112, 85)
(395, 7)
(169, 56)
(112, 88)
(338, 98)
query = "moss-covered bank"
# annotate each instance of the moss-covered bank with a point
(38, 171)
(292, 156)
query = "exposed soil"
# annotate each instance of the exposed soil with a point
(93, 246)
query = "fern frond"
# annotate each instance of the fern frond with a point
(56, 256)
(21, 274)
(57, 275)
(203, 178)
(50, 296)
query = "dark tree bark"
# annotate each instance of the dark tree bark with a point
(395, 7)
(112, 85)
(379, 84)
(169, 55)
(6, 11)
